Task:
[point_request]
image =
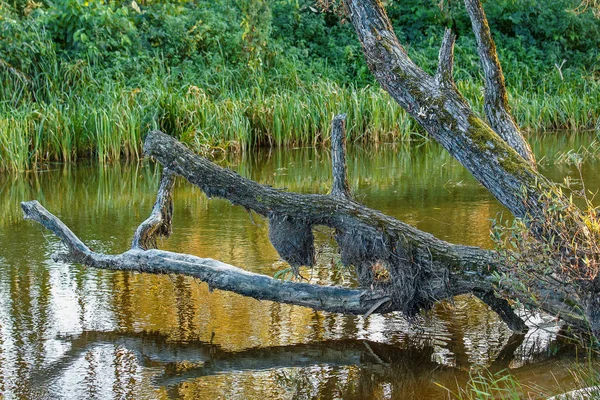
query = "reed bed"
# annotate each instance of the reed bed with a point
(67, 112)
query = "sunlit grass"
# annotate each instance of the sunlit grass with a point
(70, 111)
(503, 385)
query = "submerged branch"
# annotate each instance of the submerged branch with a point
(400, 267)
(415, 268)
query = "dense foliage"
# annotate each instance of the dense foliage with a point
(243, 54)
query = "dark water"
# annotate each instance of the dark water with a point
(71, 332)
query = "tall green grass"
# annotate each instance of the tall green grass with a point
(70, 111)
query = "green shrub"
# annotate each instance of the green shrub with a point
(92, 29)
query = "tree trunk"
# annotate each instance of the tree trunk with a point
(499, 158)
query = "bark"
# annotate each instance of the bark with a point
(402, 268)
(496, 99)
(216, 274)
(159, 223)
(443, 76)
(495, 162)
(444, 113)
(338, 157)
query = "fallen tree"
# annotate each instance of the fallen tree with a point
(404, 268)
(399, 268)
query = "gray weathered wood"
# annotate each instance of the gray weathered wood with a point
(159, 223)
(445, 68)
(338, 157)
(445, 115)
(496, 99)
(216, 274)
(431, 268)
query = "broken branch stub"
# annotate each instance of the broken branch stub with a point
(444, 74)
(340, 186)
(159, 223)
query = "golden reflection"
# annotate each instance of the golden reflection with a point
(70, 331)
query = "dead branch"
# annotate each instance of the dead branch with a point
(338, 157)
(443, 75)
(417, 268)
(496, 99)
(159, 223)
(216, 274)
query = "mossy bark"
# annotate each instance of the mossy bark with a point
(496, 99)
(443, 112)
(413, 268)
(496, 154)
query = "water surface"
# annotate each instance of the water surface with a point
(71, 332)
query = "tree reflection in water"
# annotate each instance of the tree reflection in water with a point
(349, 369)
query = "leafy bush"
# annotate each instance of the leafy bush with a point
(92, 29)
(24, 43)
(207, 29)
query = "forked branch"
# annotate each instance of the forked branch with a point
(496, 99)
(216, 274)
(429, 269)
(401, 268)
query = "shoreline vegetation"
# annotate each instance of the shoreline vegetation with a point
(90, 79)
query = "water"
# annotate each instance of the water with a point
(71, 332)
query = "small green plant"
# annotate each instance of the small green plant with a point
(483, 385)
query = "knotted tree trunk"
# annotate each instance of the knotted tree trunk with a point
(497, 155)
(398, 266)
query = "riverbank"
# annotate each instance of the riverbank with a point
(106, 119)
(90, 79)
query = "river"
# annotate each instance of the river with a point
(67, 331)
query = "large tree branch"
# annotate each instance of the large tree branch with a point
(427, 268)
(217, 274)
(405, 269)
(423, 269)
(313, 209)
(366, 237)
(496, 99)
(445, 115)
